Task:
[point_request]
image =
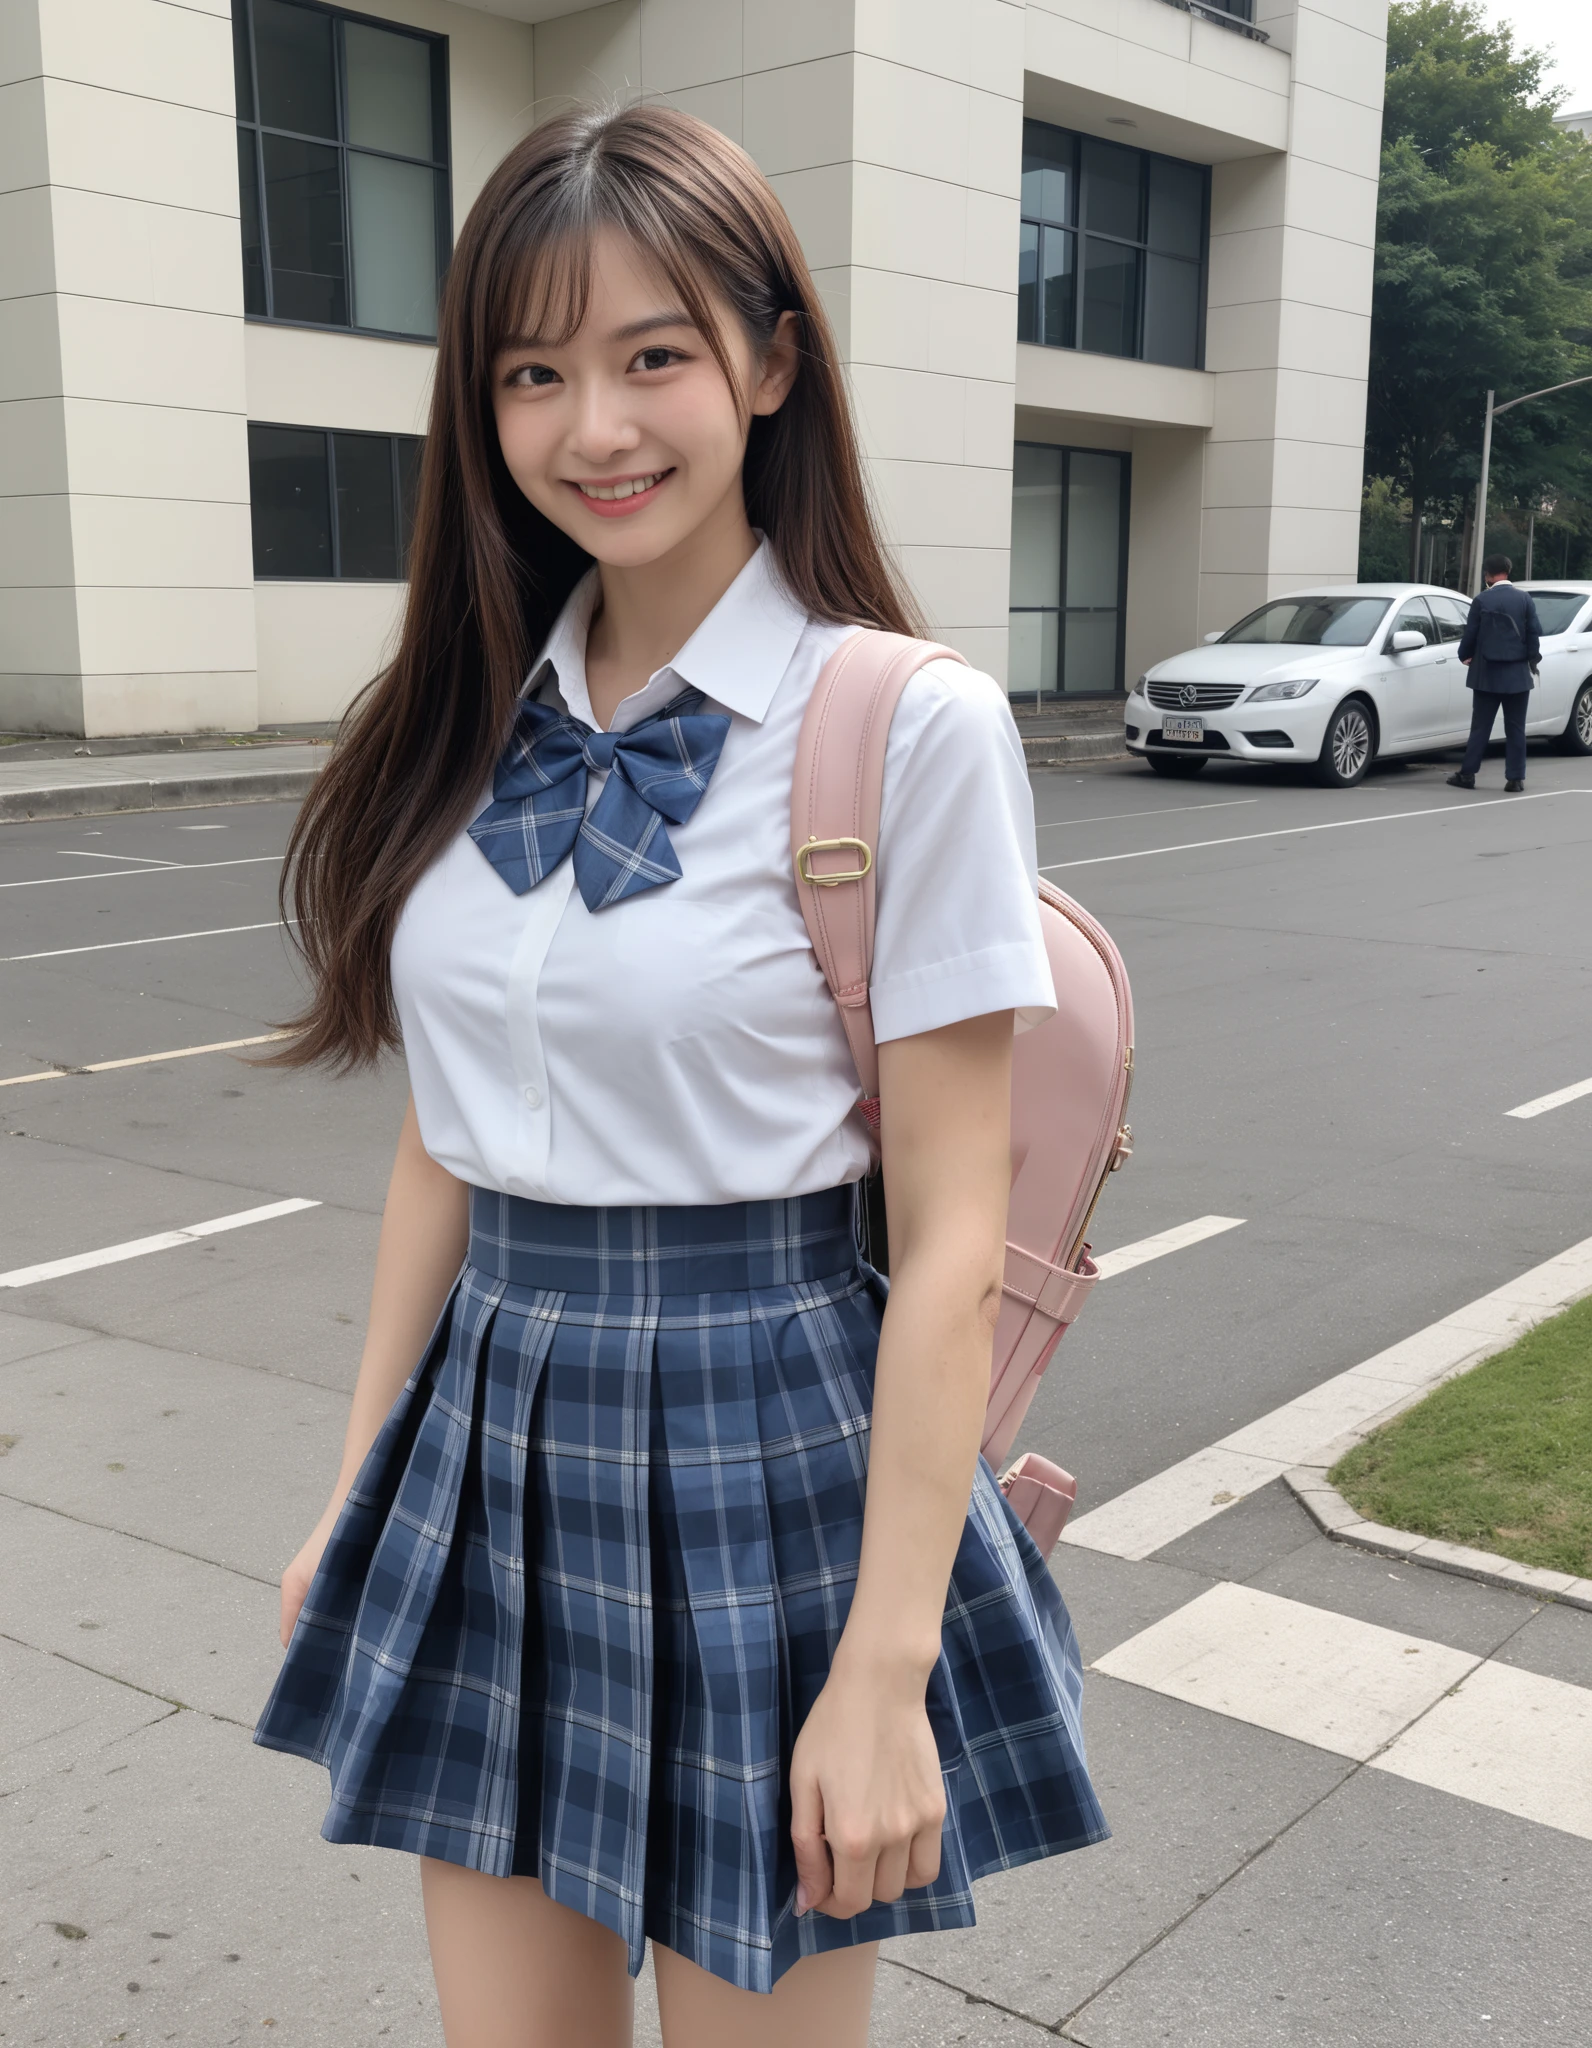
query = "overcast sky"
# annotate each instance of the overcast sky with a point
(1563, 25)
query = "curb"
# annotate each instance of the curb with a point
(1063, 750)
(1336, 1519)
(173, 793)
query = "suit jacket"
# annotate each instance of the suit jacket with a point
(1501, 617)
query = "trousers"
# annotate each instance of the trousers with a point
(1484, 709)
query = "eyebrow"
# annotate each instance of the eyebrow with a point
(632, 331)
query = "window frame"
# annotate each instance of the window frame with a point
(1081, 231)
(329, 437)
(442, 114)
(1059, 696)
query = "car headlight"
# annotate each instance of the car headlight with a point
(1138, 688)
(1268, 693)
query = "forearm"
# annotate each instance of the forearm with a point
(946, 1099)
(424, 1232)
(930, 1391)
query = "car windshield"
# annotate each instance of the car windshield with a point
(1312, 622)
(1557, 608)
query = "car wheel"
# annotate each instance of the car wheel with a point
(1177, 764)
(1349, 747)
(1577, 735)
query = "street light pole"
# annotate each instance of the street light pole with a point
(1479, 551)
(1479, 545)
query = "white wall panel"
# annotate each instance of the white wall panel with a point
(319, 644)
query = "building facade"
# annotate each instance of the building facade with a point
(1100, 269)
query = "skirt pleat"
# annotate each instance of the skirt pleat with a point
(592, 1575)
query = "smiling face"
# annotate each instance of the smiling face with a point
(627, 434)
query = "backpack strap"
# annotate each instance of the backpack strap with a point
(836, 796)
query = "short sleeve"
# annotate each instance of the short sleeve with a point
(956, 930)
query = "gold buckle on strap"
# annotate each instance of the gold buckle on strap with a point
(804, 866)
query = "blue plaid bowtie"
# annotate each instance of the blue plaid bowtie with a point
(659, 772)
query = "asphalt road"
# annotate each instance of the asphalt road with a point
(1339, 995)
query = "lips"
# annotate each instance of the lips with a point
(623, 496)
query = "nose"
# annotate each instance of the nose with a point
(603, 428)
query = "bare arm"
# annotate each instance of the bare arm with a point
(424, 1231)
(865, 1778)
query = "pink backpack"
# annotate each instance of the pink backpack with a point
(1070, 1075)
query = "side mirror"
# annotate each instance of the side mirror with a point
(1407, 641)
(1207, 638)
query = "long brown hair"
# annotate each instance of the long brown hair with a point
(488, 573)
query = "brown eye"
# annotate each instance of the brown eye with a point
(656, 358)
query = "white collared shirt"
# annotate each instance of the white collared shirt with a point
(682, 1046)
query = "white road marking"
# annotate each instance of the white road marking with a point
(1161, 811)
(75, 853)
(1339, 1684)
(136, 1248)
(142, 1059)
(1329, 825)
(165, 939)
(1416, 1709)
(1508, 1739)
(183, 867)
(1127, 1256)
(1319, 1426)
(1556, 1100)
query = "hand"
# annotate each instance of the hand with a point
(867, 1797)
(296, 1579)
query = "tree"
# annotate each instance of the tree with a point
(1483, 272)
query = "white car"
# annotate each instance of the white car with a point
(1338, 677)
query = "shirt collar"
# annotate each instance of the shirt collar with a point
(737, 656)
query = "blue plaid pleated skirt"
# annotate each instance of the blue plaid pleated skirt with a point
(590, 1579)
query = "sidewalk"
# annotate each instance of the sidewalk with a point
(87, 785)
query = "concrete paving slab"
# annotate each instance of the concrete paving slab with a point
(208, 1905)
(288, 1296)
(214, 1460)
(1511, 1739)
(179, 1629)
(25, 1336)
(1190, 1797)
(913, 2011)
(1557, 1641)
(1260, 1531)
(58, 1717)
(1397, 1594)
(57, 1200)
(1346, 1686)
(1110, 1599)
(332, 1138)
(1390, 1917)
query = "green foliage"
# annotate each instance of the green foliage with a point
(1500, 1458)
(1384, 535)
(1483, 267)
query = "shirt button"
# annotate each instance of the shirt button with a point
(533, 1097)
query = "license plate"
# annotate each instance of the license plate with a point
(1182, 728)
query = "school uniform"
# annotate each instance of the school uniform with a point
(591, 1577)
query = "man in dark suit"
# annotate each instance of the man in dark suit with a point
(1500, 647)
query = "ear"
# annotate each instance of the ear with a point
(779, 367)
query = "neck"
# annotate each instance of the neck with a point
(647, 614)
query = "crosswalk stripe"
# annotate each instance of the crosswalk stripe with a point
(1339, 1684)
(1498, 1736)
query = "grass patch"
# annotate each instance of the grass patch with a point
(1500, 1458)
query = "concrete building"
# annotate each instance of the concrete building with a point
(1101, 271)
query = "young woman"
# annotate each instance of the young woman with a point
(667, 1597)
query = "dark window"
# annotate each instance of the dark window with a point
(1069, 566)
(1415, 618)
(330, 504)
(1137, 286)
(342, 168)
